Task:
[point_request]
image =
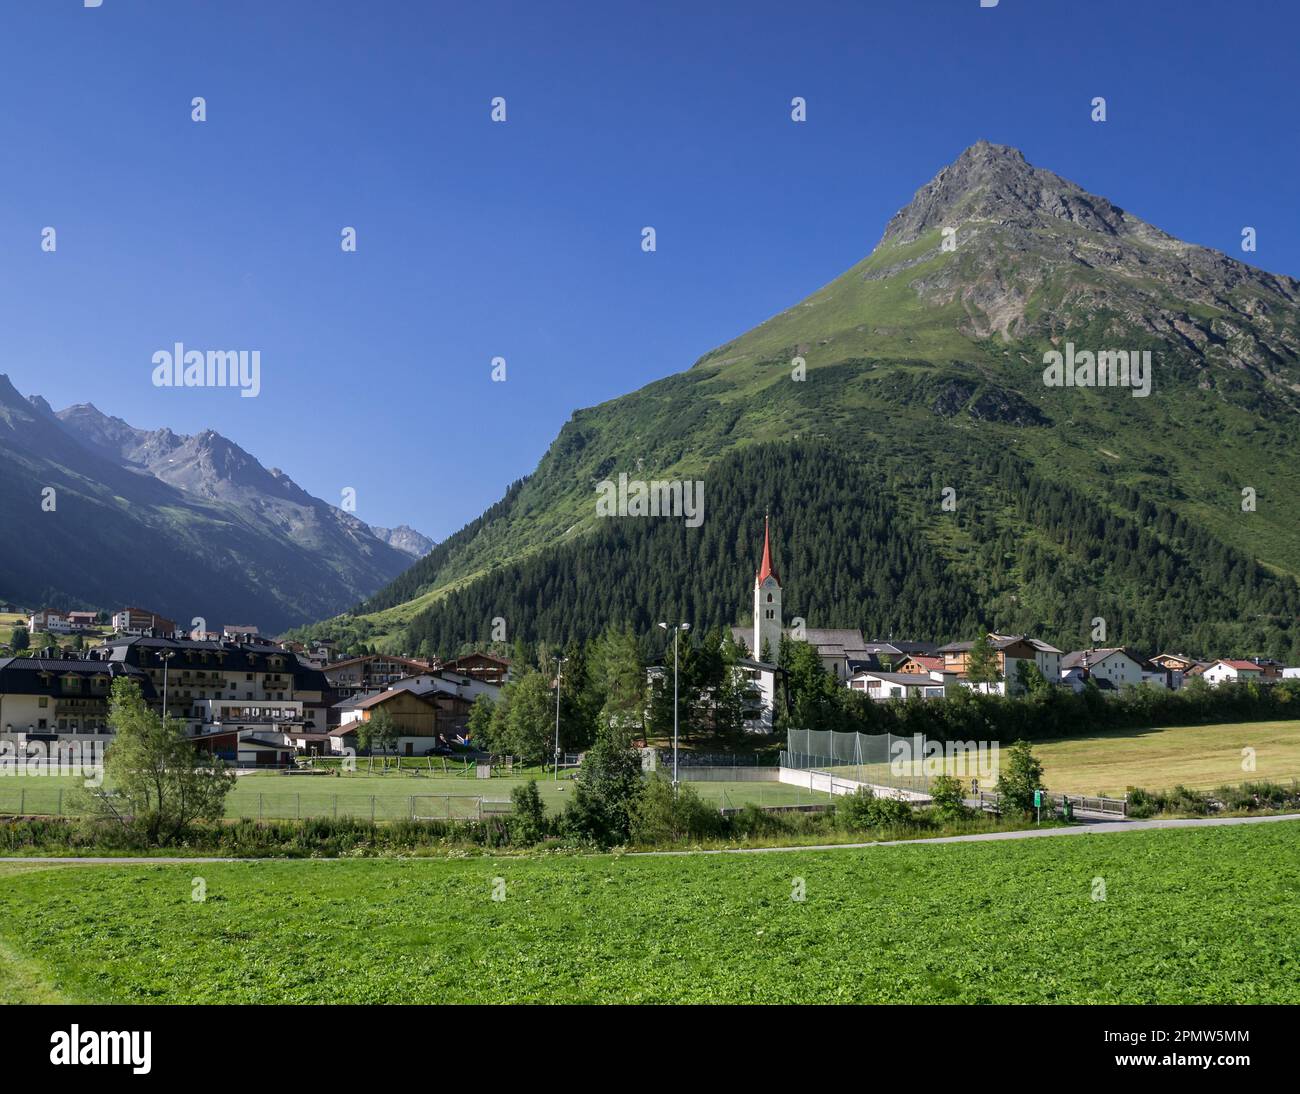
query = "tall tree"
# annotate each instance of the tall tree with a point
(618, 665)
(982, 662)
(530, 720)
(153, 776)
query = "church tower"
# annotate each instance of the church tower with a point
(767, 603)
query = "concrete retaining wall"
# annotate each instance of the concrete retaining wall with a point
(837, 784)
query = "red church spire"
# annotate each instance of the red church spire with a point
(765, 570)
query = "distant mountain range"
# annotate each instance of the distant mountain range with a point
(917, 375)
(183, 525)
(405, 538)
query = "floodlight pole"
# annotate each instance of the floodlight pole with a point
(165, 658)
(559, 661)
(677, 630)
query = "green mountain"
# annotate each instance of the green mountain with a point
(918, 375)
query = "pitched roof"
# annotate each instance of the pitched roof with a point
(765, 569)
(383, 697)
(1075, 658)
(933, 664)
(477, 655)
(1240, 666)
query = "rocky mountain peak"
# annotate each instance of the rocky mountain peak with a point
(994, 182)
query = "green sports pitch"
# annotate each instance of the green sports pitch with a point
(410, 793)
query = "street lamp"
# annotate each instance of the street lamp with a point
(164, 656)
(677, 630)
(558, 677)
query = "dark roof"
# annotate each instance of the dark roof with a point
(23, 675)
(423, 665)
(877, 646)
(763, 665)
(237, 657)
(1074, 659)
(259, 743)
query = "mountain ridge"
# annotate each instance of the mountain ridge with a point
(229, 536)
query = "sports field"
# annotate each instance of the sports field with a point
(272, 795)
(1208, 915)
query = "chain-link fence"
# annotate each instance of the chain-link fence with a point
(725, 774)
(882, 759)
(36, 800)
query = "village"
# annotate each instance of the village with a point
(257, 701)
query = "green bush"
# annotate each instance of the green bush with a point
(661, 815)
(606, 789)
(528, 823)
(862, 810)
(949, 797)
(1021, 776)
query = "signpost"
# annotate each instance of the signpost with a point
(1038, 804)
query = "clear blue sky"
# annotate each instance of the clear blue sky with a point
(523, 240)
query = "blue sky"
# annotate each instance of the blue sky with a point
(522, 239)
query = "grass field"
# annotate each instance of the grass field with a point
(1204, 915)
(1107, 763)
(1158, 759)
(1201, 757)
(272, 795)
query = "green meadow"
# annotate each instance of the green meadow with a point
(1206, 915)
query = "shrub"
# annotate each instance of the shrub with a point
(1022, 775)
(1141, 803)
(949, 797)
(608, 785)
(862, 810)
(528, 822)
(661, 815)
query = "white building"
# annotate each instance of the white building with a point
(841, 651)
(1115, 665)
(1235, 672)
(882, 686)
(49, 621)
(1046, 656)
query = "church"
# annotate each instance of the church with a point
(842, 652)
